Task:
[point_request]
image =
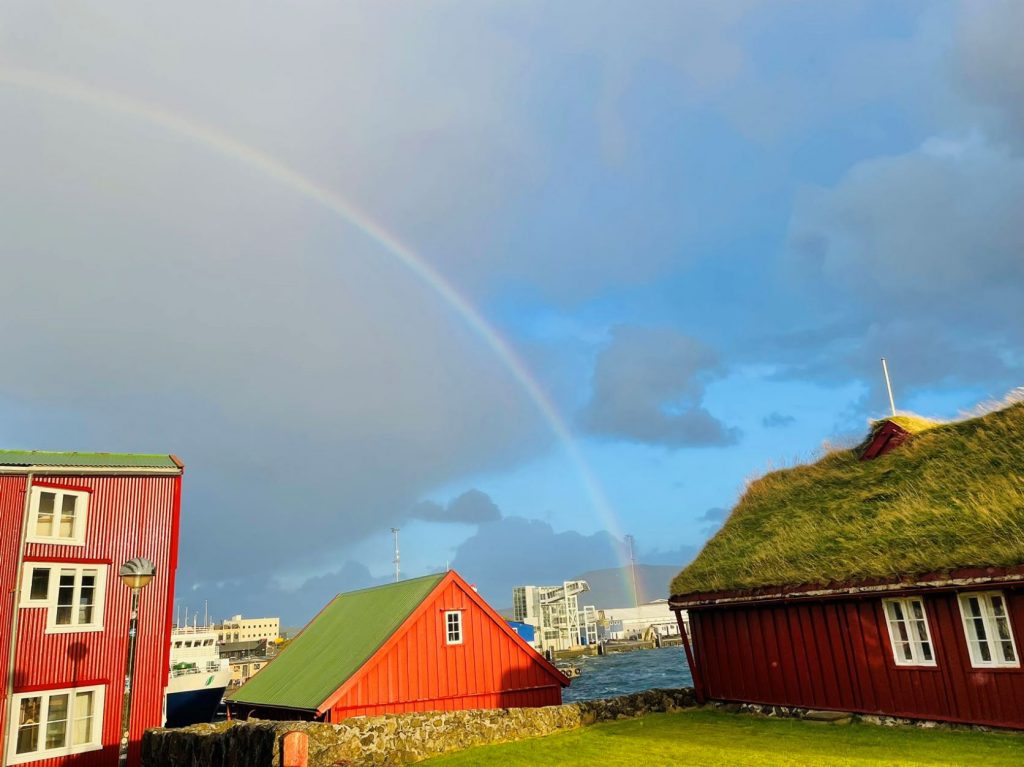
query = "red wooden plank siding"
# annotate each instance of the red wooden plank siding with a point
(836, 654)
(418, 671)
(128, 516)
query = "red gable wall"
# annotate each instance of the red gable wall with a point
(415, 670)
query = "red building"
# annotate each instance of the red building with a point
(425, 644)
(68, 521)
(893, 585)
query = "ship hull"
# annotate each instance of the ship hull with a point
(193, 706)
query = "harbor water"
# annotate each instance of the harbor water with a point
(605, 676)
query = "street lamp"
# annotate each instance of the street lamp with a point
(136, 575)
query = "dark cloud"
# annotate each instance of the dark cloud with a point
(712, 519)
(473, 507)
(259, 595)
(988, 65)
(777, 420)
(648, 386)
(516, 551)
(926, 249)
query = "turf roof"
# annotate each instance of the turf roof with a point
(334, 645)
(951, 497)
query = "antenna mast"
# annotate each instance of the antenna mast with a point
(632, 569)
(888, 386)
(398, 557)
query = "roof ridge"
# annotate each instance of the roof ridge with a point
(388, 585)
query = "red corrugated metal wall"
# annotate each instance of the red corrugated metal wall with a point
(417, 671)
(837, 655)
(127, 517)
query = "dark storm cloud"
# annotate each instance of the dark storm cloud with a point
(920, 252)
(648, 386)
(712, 519)
(989, 67)
(157, 296)
(517, 551)
(259, 595)
(777, 420)
(472, 507)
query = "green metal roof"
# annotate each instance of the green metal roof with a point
(334, 645)
(112, 460)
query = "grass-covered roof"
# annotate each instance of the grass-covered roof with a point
(951, 497)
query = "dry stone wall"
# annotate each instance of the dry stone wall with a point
(392, 740)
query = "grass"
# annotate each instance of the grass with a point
(951, 497)
(711, 738)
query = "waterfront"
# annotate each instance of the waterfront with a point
(605, 676)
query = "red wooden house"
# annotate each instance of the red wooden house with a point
(425, 644)
(886, 586)
(68, 521)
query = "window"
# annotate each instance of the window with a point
(987, 626)
(72, 594)
(453, 627)
(55, 723)
(57, 516)
(908, 632)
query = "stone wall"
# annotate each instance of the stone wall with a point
(392, 740)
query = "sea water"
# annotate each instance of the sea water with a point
(605, 676)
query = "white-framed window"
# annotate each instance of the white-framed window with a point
(57, 516)
(988, 631)
(55, 723)
(908, 632)
(73, 595)
(453, 627)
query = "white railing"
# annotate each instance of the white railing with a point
(210, 667)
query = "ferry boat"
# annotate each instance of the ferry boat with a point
(198, 676)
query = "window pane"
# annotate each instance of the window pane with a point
(85, 597)
(40, 583)
(67, 516)
(974, 607)
(44, 520)
(65, 597)
(28, 726)
(83, 718)
(57, 721)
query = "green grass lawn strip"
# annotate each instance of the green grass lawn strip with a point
(712, 738)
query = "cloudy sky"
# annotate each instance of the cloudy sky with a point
(517, 278)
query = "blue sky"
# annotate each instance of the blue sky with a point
(699, 225)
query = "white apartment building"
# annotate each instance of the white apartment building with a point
(239, 629)
(555, 613)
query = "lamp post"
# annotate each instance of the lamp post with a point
(136, 575)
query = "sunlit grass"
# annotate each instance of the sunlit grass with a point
(711, 738)
(953, 496)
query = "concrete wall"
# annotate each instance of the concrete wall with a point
(389, 741)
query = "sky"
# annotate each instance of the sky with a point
(519, 279)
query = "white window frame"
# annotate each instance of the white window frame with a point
(989, 621)
(95, 743)
(55, 568)
(459, 627)
(915, 641)
(77, 538)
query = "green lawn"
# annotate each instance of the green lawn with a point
(710, 738)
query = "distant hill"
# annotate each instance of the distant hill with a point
(613, 587)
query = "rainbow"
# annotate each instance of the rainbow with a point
(285, 175)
